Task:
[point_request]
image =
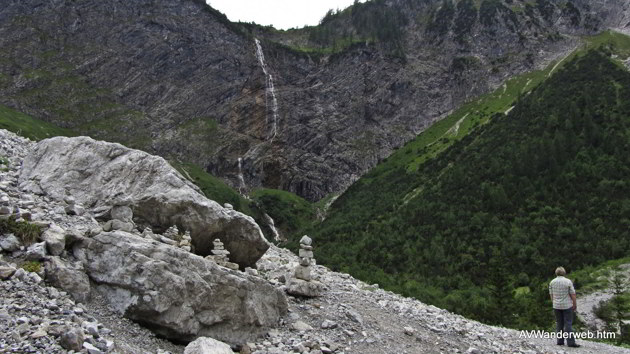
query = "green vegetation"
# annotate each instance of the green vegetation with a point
(213, 187)
(65, 99)
(373, 21)
(593, 278)
(290, 213)
(614, 312)
(23, 230)
(477, 224)
(31, 266)
(28, 126)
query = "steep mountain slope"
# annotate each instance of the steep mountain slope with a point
(543, 185)
(176, 78)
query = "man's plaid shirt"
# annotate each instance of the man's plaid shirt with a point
(559, 289)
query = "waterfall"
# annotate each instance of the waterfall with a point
(241, 180)
(272, 226)
(269, 91)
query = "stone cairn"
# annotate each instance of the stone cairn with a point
(220, 255)
(303, 270)
(171, 232)
(302, 283)
(5, 207)
(186, 242)
(121, 219)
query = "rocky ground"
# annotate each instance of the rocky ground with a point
(349, 317)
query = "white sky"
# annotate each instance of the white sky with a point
(282, 14)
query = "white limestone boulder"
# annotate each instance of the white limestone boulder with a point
(100, 175)
(178, 294)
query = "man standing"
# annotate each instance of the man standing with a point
(564, 303)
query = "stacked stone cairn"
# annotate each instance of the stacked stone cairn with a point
(171, 232)
(170, 236)
(220, 255)
(303, 270)
(186, 242)
(302, 283)
(5, 208)
(122, 219)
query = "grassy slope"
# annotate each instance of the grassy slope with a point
(443, 133)
(28, 126)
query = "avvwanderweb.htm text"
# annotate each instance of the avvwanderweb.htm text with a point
(565, 335)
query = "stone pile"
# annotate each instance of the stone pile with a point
(172, 232)
(302, 283)
(303, 270)
(220, 255)
(5, 208)
(122, 219)
(186, 242)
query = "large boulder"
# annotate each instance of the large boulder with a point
(102, 175)
(178, 294)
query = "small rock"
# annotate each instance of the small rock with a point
(9, 243)
(305, 240)
(301, 326)
(122, 213)
(91, 328)
(19, 274)
(91, 349)
(6, 271)
(72, 339)
(36, 251)
(206, 345)
(355, 316)
(328, 324)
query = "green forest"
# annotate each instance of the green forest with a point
(480, 228)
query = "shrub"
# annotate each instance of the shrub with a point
(32, 266)
(25, 231)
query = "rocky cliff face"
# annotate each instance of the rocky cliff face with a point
(178, 79)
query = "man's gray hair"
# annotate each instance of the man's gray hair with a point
(561, 271)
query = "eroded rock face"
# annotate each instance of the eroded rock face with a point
(178, 294)
(103, 175)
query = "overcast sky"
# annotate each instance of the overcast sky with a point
(282, 14)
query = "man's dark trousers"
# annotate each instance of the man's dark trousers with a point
(564, 320)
